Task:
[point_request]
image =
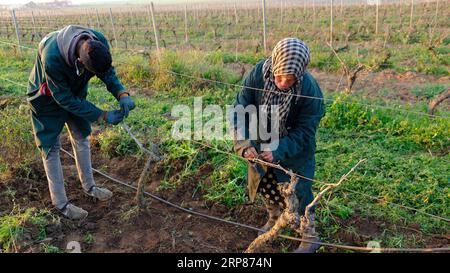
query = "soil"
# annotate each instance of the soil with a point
(387, 84)
(117, 226)
(158, 229)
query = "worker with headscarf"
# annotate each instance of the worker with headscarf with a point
(282, 81)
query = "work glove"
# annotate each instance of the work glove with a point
(114, 117)
(126, 104)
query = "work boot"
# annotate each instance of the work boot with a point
(101, 194)
(73, 212)
(309, 234)
(274, 213)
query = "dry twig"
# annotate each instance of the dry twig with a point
(290, 216)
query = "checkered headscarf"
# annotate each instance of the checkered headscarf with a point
(289, 57)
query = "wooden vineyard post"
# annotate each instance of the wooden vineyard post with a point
(16, 26)
(411, 15)
(152, 14)
(113, 28)
(314, 12)
(281, 12)
(236, 21)
(263, 7)
(185, 24)
(33, 21)
(88, 15)
(436, 13)
(376, 16)
(98, 19)
(331, 23)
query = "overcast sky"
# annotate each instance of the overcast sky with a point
(10, 2)
(18, 2)
(15, 2)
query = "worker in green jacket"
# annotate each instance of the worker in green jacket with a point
(57, 89)
(282, 81)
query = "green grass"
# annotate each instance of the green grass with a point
(17, 150)
(46, 248)
(89, 239)
(16, 227)
(16, 69)
(429, 91)
(227, 180)
(407, 153)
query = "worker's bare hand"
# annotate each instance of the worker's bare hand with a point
(267, 156)
(250, 153)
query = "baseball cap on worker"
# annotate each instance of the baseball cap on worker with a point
(95, 57)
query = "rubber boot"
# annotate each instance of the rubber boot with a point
(309, 234)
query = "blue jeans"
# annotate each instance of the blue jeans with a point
(305, 196)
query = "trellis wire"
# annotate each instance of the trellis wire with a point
(324, 183)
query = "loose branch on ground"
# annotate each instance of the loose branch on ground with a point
(437, 100)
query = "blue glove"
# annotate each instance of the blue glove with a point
(126, 104)
(114, 117)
